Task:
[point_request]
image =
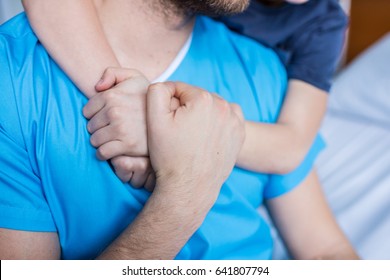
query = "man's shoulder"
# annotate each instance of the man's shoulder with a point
(17, 43)
(241, 49)
(17, 29)
(222, 35)
(233, 51)
(236, 67)
(16, 37)
(29, 78)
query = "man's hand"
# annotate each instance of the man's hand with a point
(193, 148)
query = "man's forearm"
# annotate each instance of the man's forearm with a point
(159, 232)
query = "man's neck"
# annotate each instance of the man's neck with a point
(144, 35)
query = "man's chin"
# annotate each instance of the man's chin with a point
(211, 7)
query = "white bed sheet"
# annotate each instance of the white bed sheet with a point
(355, 167)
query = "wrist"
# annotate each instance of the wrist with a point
(188, 208)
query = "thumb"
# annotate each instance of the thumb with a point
(159, 100)
(175, 104)
(113, 76)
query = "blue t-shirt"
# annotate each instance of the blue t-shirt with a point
(308, 37)
(51, 180)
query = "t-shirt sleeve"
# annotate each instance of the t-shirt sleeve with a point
(281, 184)
(317, 49)
(22, 202)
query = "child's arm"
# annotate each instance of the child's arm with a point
(314, 50)
(279, 148)
(71, 32)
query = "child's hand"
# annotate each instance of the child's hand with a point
(118, 125)
(136, 171)
(117, 114)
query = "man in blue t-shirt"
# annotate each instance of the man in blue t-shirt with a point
(59, 200)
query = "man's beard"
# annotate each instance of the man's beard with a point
(206, 7)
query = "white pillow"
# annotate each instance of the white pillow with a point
(363, 88)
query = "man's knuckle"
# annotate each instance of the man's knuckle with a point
(153, 87)
(203, 94)
(224, 106)
(205, 98)
(238, 111)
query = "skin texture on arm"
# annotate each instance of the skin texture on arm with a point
(279, 148)
(25, 245)
(72, 34)
(307, 225)
(159, 232)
